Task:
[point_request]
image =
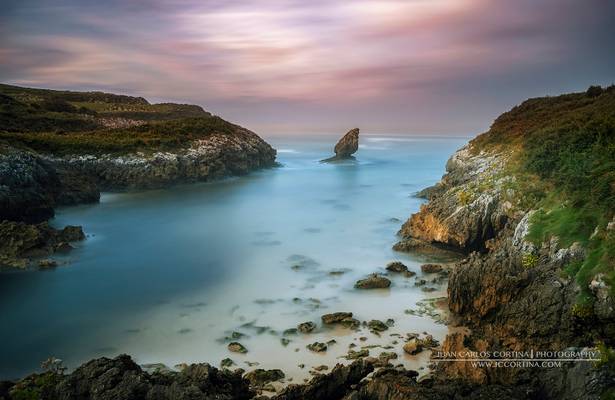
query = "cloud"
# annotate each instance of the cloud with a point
(253, 59)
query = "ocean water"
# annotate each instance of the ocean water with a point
(167, 275)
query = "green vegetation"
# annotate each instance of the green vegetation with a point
(563, 158)
(35, 387)
(607, 356)
(529, 260)
(65, 122)
(464, 197)
(165, 135)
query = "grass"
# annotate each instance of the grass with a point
(65, 122)
(165, 135)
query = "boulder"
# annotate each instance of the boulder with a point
(374, 281)
(431, 268)
(237, 347)
(377, 326)
(413, 346)
(397, 266)
(306, 327)
(335, 317)
(317, 347)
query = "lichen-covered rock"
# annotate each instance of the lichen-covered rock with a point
(237, 347)
(467, 210)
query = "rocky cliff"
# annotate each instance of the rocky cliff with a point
(539, 270)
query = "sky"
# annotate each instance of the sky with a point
(441, 67)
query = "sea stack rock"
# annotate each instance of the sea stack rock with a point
(346, 146)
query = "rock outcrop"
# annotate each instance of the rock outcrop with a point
(466, 207)
(21, 242)
(218, 156)
(512, 293)
(346, 146)
(122, 379)
(30, 186)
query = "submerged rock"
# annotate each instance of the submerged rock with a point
(374, 281)
(346, 146)
(431, 268)
(226, 363)
(413, 346)
(335, 317)
(377, 326)
(317, 347)
(237, 347)
(19, 242)
(47, 263)
(306, 327)
(397, 266)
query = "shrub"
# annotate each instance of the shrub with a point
(582, 311)
(529, 260)
(594, 91)
(464, 197)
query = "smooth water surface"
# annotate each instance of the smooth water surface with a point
(166, 275)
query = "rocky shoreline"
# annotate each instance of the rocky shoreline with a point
(34, 181)
(509, 294)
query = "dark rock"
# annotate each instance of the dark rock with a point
(19, 242)
(259, 377)
(377, 326)
(306, 327)
(47, 263)
(373, 282)
(397, 266)
(431, 268)
(332, 386)
(354, 355)
(28, 186)
(31, 186)
(120, 378)
(317, 347)
(335, 317)
(226, 363)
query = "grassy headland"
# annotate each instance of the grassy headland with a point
(563, 159)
